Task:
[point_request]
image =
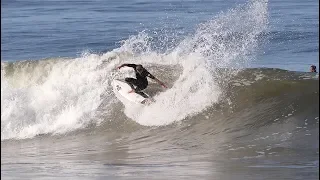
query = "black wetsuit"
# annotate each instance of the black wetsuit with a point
(141, 81)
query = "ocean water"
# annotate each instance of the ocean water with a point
(240, 104)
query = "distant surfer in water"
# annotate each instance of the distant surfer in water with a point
(141, 81)
(313, 68)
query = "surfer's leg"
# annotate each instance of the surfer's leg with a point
(141, 85)
(136, 85)
(132, 82)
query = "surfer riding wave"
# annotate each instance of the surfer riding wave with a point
(141, 81)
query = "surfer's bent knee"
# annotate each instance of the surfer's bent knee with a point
(128, 79)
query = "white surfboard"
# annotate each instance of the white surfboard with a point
(121, 89)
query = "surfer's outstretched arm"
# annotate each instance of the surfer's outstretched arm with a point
(159, 82)
(128, 65)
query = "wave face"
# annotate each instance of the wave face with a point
(61, 95)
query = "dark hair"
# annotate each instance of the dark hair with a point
(139, 68)
(314, 68)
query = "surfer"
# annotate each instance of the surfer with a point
(141, 81)
(313, 68)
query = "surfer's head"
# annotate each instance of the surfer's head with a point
(313, 68)
(139, 68)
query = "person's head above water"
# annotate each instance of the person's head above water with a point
(313, 68)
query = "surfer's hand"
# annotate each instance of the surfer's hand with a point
(164, 85)
(131, 91)
(119, 67)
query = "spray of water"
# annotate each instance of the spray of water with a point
(226, 41)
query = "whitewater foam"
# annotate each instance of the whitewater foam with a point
(68, 90)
